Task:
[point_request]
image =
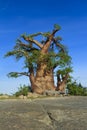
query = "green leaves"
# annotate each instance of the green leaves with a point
(58, 38)
(35, 34)
(17, 74)
(23, 36)
(23, 90)
(10, 53)
(13, 74)
(57, 27)
(76, 89)
(33, 55)
(47, 34)
(65, 70)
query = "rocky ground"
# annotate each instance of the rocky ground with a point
(59, 113)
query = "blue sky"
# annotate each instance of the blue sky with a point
(30, 16)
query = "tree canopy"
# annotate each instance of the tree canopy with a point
(43, 55)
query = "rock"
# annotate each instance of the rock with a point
(33, 95)
(56, 113)
(51, 93)
(25, 97)
(21, 96)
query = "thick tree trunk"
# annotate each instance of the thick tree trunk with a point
(61, 84)
(43, 80)
(61, 87)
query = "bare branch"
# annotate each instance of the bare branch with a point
(23, 73)
(33, 41)
(54, 31)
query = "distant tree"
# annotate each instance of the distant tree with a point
(42, 58)
(76, 89)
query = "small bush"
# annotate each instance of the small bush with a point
(23, 90)
(1, 94)
(77, 89)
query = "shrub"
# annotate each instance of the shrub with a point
(23, 90)
(76, 89)
(1, 94)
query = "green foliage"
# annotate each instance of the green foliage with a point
(56, 26)
(22, 90)
(64, 59)
(76, 89)
(46, 34)
(31, 36)
(57, 56)
(17, 74)
(65, 71)
(58, 38)
(1, 94)
(13, 74)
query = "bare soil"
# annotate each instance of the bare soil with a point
(59, 113)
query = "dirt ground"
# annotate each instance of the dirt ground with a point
(59, 113)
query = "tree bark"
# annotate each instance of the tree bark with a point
(61, 83)
(43, 80)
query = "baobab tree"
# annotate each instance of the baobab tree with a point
(42, 58)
